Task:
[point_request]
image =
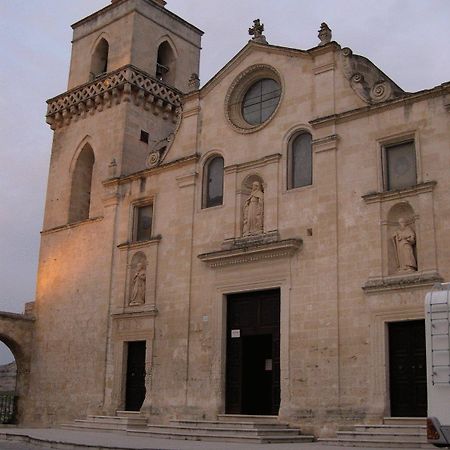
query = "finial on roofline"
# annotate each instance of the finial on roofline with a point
(257, 32)
(325, 34)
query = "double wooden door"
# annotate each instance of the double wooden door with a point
(407, 369)
(253, 353)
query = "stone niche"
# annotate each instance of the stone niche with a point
(252, 204)
(401, 235)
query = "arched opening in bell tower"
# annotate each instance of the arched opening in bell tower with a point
(99, 62)
(165, 65)
(80, 198)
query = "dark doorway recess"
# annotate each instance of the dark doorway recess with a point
(135, 387)
(407, 369)
(253, 353)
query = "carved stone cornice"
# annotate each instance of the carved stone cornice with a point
(122, 85)
(140, 244)
(176, 164)
(366, 80)
(396, 282)
(376, 197)
(69, 226)
(269, 159)
(252, 252)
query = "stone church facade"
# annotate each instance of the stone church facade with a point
(261, 245)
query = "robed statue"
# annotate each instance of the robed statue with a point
(404, 241)
(254, 211)
(137, 295)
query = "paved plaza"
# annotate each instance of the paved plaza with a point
(46, 438)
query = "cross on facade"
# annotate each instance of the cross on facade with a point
(257, 32)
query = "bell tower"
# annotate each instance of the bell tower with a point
(131, 62)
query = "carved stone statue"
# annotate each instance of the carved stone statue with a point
(254, 211)
(257, 32)
(324, 34)
(137, 295)
(404, 241)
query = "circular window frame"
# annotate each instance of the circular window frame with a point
(236, 94)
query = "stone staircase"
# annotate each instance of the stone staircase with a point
(122, 421)
(227, 428)
(402, 432)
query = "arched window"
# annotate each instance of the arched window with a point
(300, 161)
(213, 182)
(80, 198)
(99, 62)
(165, 64)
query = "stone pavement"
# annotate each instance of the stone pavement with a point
(50, 438)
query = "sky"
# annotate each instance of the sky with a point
(407, 39)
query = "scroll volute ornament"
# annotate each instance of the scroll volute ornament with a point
(366, 80)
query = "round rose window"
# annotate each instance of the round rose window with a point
(260, 101)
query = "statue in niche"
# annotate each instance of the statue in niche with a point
(404, 241)
(254, 211)
(137, 295)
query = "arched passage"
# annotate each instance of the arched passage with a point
(16, 332)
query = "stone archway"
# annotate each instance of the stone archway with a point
(16, 332)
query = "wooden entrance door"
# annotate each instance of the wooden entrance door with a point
(135, 386)
(407, 369)
(253, 353)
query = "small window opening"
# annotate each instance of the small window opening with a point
(300, 161)
(213, 182)
(400, 166)
(144, 137)
(143, 223)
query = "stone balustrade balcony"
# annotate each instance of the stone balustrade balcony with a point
(122, 85)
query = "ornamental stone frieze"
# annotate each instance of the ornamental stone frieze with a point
(366, 80)
(123, 85)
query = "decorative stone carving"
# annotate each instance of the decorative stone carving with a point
(138, 284)
(325, 34)
(368, 82)
(112, 168)
(194, 83)
(122, 84)
(257, 32)
(153, 159)
(253, 222)
(158, 150)
(404, 241)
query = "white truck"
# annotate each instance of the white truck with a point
(437, 330)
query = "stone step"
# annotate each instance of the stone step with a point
(393, 437)
(118, 419)
(246, 418)
(220, 436)
(405, 421)
(228, 424)
(379, 443)
(205, 430)
(396, 429)
(131, 414)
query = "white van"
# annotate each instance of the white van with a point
(437, 329)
